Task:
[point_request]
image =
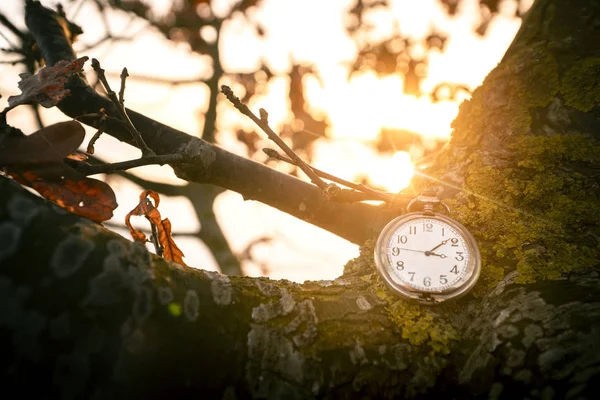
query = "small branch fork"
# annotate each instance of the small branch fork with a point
(374, 194)
(332, 191)
(263, 123)
(148, 156)
(119, 105)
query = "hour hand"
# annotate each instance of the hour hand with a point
(429, 253)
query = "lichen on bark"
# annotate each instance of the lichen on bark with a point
(422, 326)
(580, 86)
(524, 162)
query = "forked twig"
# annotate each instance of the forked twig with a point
(263, 123)
(100, 131)
(146, 151)
(374, 194)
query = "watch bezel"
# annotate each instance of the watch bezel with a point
(384, 266)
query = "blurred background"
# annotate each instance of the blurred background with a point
(362, 89)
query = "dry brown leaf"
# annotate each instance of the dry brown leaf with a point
(47, 87)
(86, 197)
(48, 145)
(170, 251)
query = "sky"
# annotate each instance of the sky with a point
(308, 31)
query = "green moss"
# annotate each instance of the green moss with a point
(580, 85)
(536, 74)
(530, 200)
(420, 326)
(536, 212)
(364, 264)
(417, 324)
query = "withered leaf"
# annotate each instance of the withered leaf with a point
(83, 196)
(170, 251)
(47, 87)
(48, 145)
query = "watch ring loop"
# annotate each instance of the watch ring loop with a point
(429, 202)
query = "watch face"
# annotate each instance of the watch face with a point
(420, 255)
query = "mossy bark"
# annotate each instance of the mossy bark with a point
(524, 156)
(85, 313)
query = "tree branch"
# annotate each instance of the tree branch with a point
(126, 323)
(263, 123)
(354, 222)
(374, 194)
(124, 165)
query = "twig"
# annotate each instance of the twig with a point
(124, 76)
(146, 151)
(4, 21)
(92, 142)
(123, 165)
(246, 254)
(38, 117)
(263, 123)
(108, 38)
(154, 238)
(116, 225)
(13, 51)
(161, 81)
(76, 10)
(375, 194)
(6, 39)
(14, 62)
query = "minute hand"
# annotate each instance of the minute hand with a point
(427, 253)
(416, 251)
(439, 245)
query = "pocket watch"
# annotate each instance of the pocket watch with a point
(426, 255)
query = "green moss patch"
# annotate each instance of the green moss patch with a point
(580, 85)
(417, 324)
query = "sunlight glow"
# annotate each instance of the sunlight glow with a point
(394, 173)
(360, 108)
(310, 33)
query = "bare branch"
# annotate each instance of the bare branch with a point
(146, 151)
(123, 165)
(161, 81)
(14, 62)
(355, 222)
(375, 194)
(11, 27)
(102, 118)
(262, 122)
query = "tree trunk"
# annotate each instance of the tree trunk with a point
(85, 313)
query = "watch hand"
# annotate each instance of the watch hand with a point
(416, 251)
(429, 253)
(439, 245)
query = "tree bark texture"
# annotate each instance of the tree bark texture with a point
(85, 313)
